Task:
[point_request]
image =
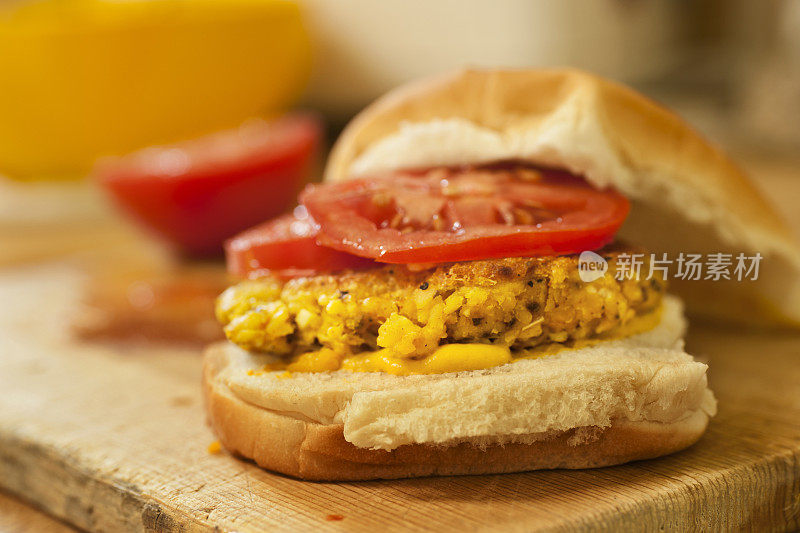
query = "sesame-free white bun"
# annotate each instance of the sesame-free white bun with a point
(614, 402)
(687, 195)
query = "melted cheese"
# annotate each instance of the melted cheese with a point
(451, 357)
(447, 358)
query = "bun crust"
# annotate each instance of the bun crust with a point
(313, 451)
(688, 195)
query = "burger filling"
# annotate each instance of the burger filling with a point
(440, 271)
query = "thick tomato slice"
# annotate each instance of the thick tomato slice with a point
(465, 214)
(286, 247)
(198, 193)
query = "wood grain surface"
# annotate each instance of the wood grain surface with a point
(17, 517)
(112, 438)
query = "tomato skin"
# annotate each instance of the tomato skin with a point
(394, 219)
(286, 247)
(197, 193)
(513, 245)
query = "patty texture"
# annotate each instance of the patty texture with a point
(519, 303)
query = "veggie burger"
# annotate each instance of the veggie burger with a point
(425, 310)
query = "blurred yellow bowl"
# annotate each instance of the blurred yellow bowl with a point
(83, 78)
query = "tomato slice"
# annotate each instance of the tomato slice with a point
(463, 214)
(286, 247)
(198, 193)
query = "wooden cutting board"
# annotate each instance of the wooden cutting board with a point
(113, 438)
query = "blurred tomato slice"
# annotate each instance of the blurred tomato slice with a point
(198, 193)
(287, 247)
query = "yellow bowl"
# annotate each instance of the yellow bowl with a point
(84, 78)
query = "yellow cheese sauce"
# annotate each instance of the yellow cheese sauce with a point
(450, 357)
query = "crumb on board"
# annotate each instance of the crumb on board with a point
(334, 517)
(214, 448)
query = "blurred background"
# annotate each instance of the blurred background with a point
(730, 66)
(85, 78)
